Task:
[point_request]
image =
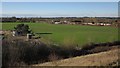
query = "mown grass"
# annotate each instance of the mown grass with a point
(71, 34)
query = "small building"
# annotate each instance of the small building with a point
(65, 22)
(101, 24)
(29, 36)
(57, 22)
(84, 23)
(107, 24)
(89, 23)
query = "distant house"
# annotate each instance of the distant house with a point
(89, 23)
(107, 24)
(84, 23)
(57, 22)
(29, 36)
(1, 33)
(65, 22)
(101, 24)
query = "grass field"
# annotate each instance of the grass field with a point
(71, 34)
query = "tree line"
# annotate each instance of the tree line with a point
(110, 20)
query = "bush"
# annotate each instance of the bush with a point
(22, 29)
(19, 52)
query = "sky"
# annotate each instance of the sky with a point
(60, 9)
(60, 0)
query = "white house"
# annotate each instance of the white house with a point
(89, 23)
(107, 24)
(57, 22)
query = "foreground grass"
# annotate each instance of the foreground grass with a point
(70, 34)
(99, 59)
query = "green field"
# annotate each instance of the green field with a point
(71, 34)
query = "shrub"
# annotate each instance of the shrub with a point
(19, 52)
(22, 29)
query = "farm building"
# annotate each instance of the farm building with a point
(107, 24)
(103, 24)
(65, 22)
(99, 24)
(88, 23)
(57, 22)
(29, 36)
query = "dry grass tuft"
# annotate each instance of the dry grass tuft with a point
(98, 59)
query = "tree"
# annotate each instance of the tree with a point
(22, 29)
(13, 19)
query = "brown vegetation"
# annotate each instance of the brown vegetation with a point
(17, 52)
(108, 58)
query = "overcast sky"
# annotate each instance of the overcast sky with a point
(56, 9)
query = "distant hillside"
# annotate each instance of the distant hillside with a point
(107, 58)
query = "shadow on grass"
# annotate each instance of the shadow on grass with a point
(43, 33)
